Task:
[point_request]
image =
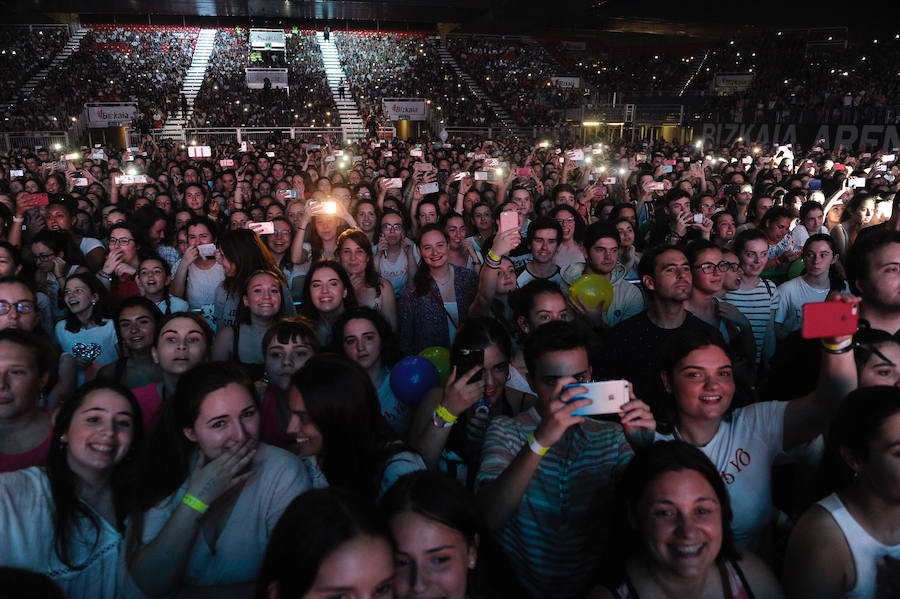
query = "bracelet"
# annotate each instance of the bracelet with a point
(494, 265)
(108, 277)
(492, 256)
(536, 447)
(16, 219)
(194, 503)
(840, 348)
(444, 414)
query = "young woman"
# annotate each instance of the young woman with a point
(724, 229)
(847, 544)
(287, 346)
(212, 493)
(442, 547)
(327, 294)
(364, 336)
(279, 243)
(776, 225)
(821, 277)
(628, 254)
(366, 214)
(183, 341)
(395, 256)
(743, 443)
(482, 225)
(324, 230)
(327, 541)
(434, 307)
(86, 333)
(355, 255)
(461, 252)
(119, 272)
(55, 257)
(153, 280)
(675, 516)
(241, 253)
(450, 423)
(25, 428)
(67, 520)
(136, 321)
(857, 216)
(198, 277)
(351, 442)
(877, 355)
(261, 307)
(496, 281)
(569, 250)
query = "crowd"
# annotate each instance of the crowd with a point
(24, 51)
(277, 373)
(225, 100)
(145, 65)
(518, 75)
(397, 65)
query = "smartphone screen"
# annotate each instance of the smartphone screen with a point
(509, 220)
(469, 359)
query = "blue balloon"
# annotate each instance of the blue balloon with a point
(412, 377)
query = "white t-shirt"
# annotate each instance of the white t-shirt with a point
(743, 451)
(202, 285)
(89, 244)
(526, 277)
(791, 297)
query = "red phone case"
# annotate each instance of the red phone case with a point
(829, 319)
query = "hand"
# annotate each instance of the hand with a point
(506, 242)
(559, 415)
(124, 269)
(789, 256)
(459, 394)
(682, 222)
(729, 313)
(465, 184)
(211, 478)
(24, 203)
(191, 255)
(113, 259)
(59, 267)
(592, 315)
(470, 250)
(636, 417)
(848, 298)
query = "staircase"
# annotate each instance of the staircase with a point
(190, 87)
(699, 62)
(348, 111)
(509, 123)
(67, 50)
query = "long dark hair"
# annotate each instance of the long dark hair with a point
(244, 249)
(101, 308)
(60, 241)
(243, 312)
(136, 301)
(316, 245)
(355, 435)
(359, 238)
(166, 462)
(422, 279)
(307, 309)
(314, 525)
(836, 279)
(68, 508)
(390, 345)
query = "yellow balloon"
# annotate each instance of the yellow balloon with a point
(593, 290)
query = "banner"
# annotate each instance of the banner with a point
(830, 137)
(566, 81)
(404, 109)
(110, 114)
(734, 82)
(256, 78)
(266, 39)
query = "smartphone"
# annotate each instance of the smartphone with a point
(698, 219)
(607, 397)
(815, 184)
(829, 319)
(73, 156)
(667, 168)
(393, 183)
(416, 153)
(387, 154)
(509, 219)
(427, 188)
(245, 147)
(857, 182)
(80, 182)
(484, 176)
(199, 151)
(609, 181)
(656, 186)
(669, 162)
(840, 167)
(226, 163)
(16, 173)
(889, 158)
(746, 160)
(207, 250)
(98, 156)
(262, 228)
(291, 194)
(491, 163)
(272, 155)
(459, 176)
(338, 152)
(469, 359)
(327, 158)
(315, 147)
(40, 199)
(326, 207)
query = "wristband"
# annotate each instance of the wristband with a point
(108, 277)
(494, 265)
(839, 348)
(194, 503)
(494, 257)
(16, 219)
(536, 447)
(444, 414)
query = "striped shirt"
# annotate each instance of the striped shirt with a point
(758, 305)
(557, 537)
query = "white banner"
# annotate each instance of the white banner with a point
(110, 114)
(404, 109)
(566, 81)
(266, 39)
(733, 82)
(256, 78)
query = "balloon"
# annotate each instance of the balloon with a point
(593, 291)
(411, 377)
(796, 269)
(440, 357)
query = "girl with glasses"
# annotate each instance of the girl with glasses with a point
(55, 257)
(119, 272)
(396, 257)
(569, 250)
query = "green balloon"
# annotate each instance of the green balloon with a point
(796, 269)
(593, 290)
(440, 357)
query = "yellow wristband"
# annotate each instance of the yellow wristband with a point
(194, 503)
(444, 414)
(838, 347)
(536, 447)
(493, 256)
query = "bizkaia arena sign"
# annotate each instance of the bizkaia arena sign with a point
(404, 109)
(857, 137)
(103, 115)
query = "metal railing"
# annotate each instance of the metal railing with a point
(33, 139)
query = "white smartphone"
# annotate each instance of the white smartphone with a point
(857, 181)
(484, 176)
(393, 183)
(326, 207)
(656, 186)
(415, 153)
(427, 188)
(607, 397)
(207, 250)
(698, 219)
(16, 173)
(80, 182)
(262, 228)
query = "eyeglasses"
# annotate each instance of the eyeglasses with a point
(709, 267)
(41, 257)
(389, 227)
(734, 266)
(21, 307)
(282, 233)
(566, 221)
(123, 242)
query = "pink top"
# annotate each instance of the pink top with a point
(270, 430)
(150, 402)
(32, 457)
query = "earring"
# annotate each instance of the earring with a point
(63, 441)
